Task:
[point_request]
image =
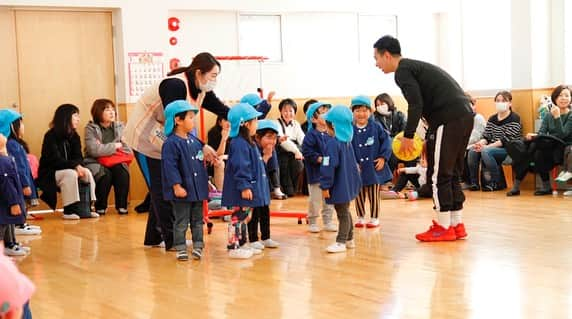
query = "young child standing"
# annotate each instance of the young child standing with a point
(12, 204)
(266, 137)
(245, 182)
(313, 150)
(12, 126)
(372, 147)
(339, 176)
(185, 178)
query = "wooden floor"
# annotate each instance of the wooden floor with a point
(516, 263)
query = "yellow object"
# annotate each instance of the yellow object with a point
(417, 147)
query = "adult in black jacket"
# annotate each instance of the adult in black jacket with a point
(61, 163)
(434, 95)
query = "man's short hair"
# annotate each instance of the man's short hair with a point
(389, 44)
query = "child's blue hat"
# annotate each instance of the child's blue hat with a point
(310, 112)
(268, 124)
(7, 116)
(238, 115)
(251, 98)
(361, 100)
(173, 109)
(341, 118)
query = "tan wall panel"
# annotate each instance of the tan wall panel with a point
(9, 92)
(64, 57)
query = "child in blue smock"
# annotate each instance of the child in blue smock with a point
(372, 147)
(339, 176)
(12, 206)
(245, 182)
(184, 176)
(266, 138)
(313, 151)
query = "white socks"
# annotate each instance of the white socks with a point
(444, 219)
(456, 217)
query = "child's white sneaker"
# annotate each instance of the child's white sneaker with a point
(71, 216)
(27, 230)
(15, 251)
(350, 244)
(314, 228)
(94, 215)
(240, 253)
(336, 248)
(257, 245)
(331, 227)
(374, 222)
(255, 251)
(269, 243)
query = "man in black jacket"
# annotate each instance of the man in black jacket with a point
(434, 95)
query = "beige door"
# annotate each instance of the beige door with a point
(64, 57)
(9, 95)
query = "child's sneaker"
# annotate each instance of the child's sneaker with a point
(277, 194)
(331, 227)
(71, 216)
(100, 212)
(27, 230)
(350, 244)
(374, 222)
(24, 248)
(122, 211)
(94, 215)
(197, 253)
(360, 222)
(240, 253)
(15, 250)
(460, 231)
(336, 248)
(269, 243)
(33, 226)
(182, 255)
(314, 228)
(257, 245)
(437, 233)
(159, 245)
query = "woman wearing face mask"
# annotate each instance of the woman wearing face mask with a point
(144, 133)
(388, 116)
(489, 151)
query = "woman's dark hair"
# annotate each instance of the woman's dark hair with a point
(308, 103)
(556, 92)
(61, 123)
(219, 119)
(245, 133)
(203, 62)
(98, 108)
(389, 44)
(290, 102)
(385, 98)
(14, 129)
(505, 94)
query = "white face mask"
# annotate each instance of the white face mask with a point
(382, 109)
(501, 106)
(209, 86)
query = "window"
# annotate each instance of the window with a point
(260, 35)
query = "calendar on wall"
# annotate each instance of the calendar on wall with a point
(145, 68)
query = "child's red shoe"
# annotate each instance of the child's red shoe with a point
(437, 233)
(360, 223)
(460, 231)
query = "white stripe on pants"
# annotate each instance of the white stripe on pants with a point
(437, 157)
(68, 182)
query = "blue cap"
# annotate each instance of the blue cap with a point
(7, 116)
(268, 124)
(173, 109)
(238, 115)
(341, 118)
(310, 112)
(361, 100)
(251, 98)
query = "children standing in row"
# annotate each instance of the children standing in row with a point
(185, 179)
(245, 180)
(339, 176)
(266, 137)
(313, 149)
(372, 147)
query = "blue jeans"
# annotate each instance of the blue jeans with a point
(187, 213)
(490, 158)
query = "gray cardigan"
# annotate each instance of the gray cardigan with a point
(94, 147)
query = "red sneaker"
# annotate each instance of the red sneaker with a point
(437, 233)
(460, 231)
(360, 223)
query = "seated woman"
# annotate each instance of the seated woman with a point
(289, 153)
(489, 152)
(393, 121)
(103, 138)
(556, 124)
(61, 163)
(476, 134)
(217, 138)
